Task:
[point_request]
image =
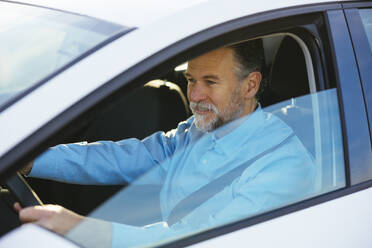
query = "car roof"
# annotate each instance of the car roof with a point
(141, 12)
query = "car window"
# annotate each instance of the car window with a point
(366, 16)
(290, 149)
(36, 42)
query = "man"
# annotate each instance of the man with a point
(228, 129)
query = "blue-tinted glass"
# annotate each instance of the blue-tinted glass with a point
(315, 121)
(366, 16)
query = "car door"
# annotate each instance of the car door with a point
(339, 137)
(332, 92)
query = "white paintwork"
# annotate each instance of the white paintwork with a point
(33, 236)
(343, 223)
(143, 12)
(33, 111)
(161, 24)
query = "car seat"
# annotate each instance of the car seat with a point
(314, 117)
(288, 94)
(158, 106)
(288, 81)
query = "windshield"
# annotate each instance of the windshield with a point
(36, 42)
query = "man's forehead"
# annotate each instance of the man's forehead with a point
(213, 60)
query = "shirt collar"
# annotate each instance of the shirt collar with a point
(231, 135)
(237, 132)
(229, 127)
(232, 125)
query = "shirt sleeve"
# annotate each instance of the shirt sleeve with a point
(85, 233)
(105, 162)
(97, 233)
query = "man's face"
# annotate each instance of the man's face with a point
(214, 90)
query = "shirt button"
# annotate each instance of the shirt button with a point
(204, 161)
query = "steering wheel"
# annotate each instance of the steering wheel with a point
(16, 190)
(22, 191)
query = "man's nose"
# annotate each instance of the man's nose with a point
(197, 92)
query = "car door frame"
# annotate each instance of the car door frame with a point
(64, 123)
(363, 56)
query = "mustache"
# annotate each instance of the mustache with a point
(203, 106)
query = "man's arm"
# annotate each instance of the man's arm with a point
(90, 232)
(268, 184)
(52, 217)
(103, 162)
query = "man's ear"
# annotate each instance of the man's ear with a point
(252, 82)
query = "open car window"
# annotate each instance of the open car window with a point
(238, 171)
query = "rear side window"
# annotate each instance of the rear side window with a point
(366, 16)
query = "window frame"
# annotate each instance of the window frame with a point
(363, 56)
(353, 102)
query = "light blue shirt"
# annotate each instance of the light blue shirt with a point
(185, 159)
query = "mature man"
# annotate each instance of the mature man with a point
(228, 130)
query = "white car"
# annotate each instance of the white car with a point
(74, 71)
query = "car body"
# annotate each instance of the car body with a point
(148, 39)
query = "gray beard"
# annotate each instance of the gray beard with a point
(233, 111)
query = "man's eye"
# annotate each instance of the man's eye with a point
(190, 80)
(211, 82)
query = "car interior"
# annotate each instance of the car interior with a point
(160, 104)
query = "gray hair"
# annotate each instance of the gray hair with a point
(249, 57)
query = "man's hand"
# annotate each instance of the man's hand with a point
(52, 217)
(27, 168)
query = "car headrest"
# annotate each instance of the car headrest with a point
(288, 75)
(157, 106)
